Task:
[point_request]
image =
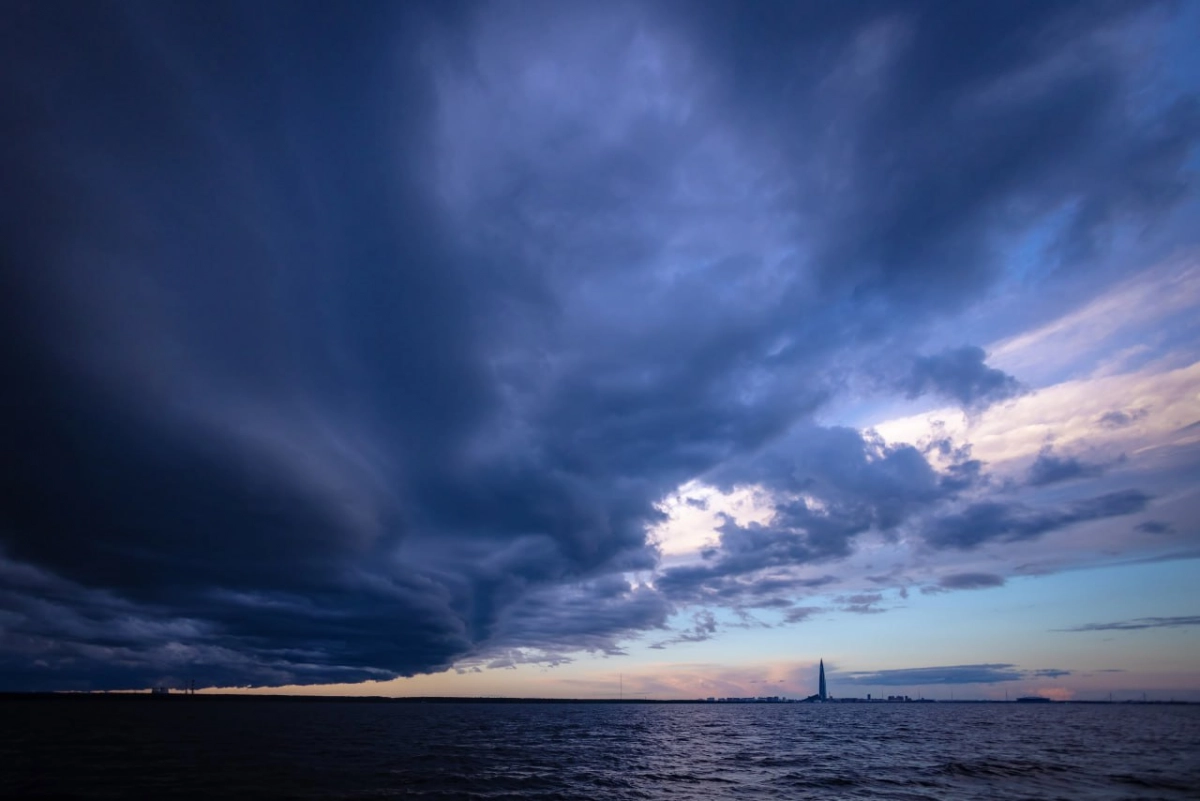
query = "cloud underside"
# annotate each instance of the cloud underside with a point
(368, 365)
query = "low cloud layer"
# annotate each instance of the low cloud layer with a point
(1141, 623)
(366, 343)
(991, 673)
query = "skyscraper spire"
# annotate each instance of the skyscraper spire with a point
(821, 685)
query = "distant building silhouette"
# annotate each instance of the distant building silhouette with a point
(821, 693)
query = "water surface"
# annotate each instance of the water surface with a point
(199, 748)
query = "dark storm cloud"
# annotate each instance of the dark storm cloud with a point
(1050, 469)
(962, 376)
(240, 349)
(578, 616)
(332, 350)
(992, 521)
(1140, 623)
(1154, 527)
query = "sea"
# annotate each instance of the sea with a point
(198, 748)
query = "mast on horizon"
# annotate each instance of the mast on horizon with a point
(821, 683)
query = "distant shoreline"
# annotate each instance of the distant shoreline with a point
(174, 698)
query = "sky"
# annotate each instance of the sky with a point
(564, 349)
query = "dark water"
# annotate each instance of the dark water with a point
(210, 749)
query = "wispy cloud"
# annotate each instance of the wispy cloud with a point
(862, 603)
(1140, 623)
(704, 627)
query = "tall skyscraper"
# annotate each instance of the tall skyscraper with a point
(821, 685)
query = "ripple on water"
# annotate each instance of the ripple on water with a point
(209, 748)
